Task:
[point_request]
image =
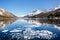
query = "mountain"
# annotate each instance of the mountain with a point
(35, 12)
(5, 13)
(51, 13)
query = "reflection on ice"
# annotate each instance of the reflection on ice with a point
(4, 23)
(38, 22)
(58, 27)
(31, 22)
(32, 29)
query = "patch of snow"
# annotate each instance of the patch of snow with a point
(35, 12)
(57, 7)
(47, 10)
(2, 9)
(1, 13)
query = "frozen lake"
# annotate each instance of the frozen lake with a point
(30, 29)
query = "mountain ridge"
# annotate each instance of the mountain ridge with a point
(47, 13)
(6, 13)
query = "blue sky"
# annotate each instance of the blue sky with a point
(23, 7)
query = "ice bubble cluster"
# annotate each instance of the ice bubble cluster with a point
(44, 34)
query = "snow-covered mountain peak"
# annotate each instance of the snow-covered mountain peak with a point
(35, 12)
(57, 7)
(46, 10)
(2, 9)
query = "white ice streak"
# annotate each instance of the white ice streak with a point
(5, 31)
(15, 30)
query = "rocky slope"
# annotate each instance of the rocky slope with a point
(4, 15)
(53, 13)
